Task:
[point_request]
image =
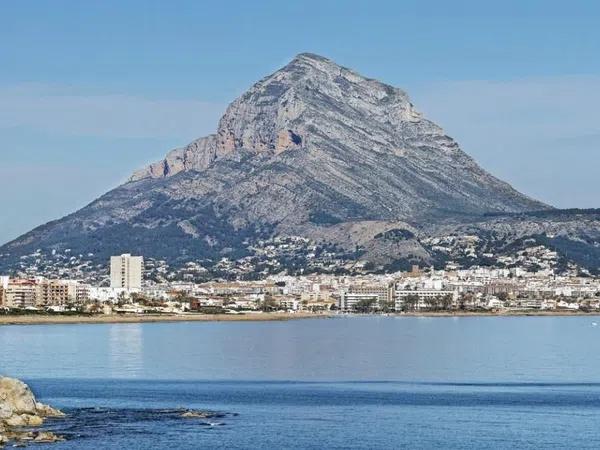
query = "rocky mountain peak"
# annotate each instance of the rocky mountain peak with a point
(341, 137)
(285, 109)
(315, 153)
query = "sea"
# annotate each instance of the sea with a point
(364, 382)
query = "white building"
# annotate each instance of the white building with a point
(126, 271)
(157, 292)
(290, 304)
(348, 301)
(356, 293)
(424, 296)
(108, 294)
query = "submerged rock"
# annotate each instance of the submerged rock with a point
(18, 409)
(198, 415)
(46, 437)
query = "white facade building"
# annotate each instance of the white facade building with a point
(348, 301)
(424, 296)
(126, 271)
(109, 294)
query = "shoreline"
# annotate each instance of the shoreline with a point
(34, 319)
(510, 313)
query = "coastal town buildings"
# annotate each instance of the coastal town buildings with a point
(40, 292)
(420, 289)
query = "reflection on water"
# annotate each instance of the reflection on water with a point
(125, 350)
(480, 382)
(467, 349)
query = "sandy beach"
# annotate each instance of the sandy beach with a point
(505, 313)
(35, 319)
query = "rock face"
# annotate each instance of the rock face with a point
(327, 133)
(19, 408)
(314, 150)
(198, 155)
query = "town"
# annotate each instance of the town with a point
(420, 290)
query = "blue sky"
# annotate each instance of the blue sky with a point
(90, 91)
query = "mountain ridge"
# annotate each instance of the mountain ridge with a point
(261, 120)
(314, 151)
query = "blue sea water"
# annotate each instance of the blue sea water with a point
(356, 382)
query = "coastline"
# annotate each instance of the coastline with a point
(264, 317)
(508, 313)
(152, 318)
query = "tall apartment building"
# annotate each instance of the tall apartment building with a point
(126, 271)
(3, 286)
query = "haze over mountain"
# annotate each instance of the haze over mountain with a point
(319, 153)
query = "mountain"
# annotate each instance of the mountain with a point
(357, 140)
(315, 159)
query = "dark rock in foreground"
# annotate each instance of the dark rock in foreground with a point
(20, 412)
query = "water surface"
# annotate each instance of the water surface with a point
(357, 382)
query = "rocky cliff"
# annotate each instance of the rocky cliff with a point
(315, 126)
(314, 151)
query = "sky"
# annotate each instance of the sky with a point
(90, 91)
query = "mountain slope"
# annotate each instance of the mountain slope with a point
(358, 137)
(314, 150)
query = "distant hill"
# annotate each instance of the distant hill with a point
(315, 152)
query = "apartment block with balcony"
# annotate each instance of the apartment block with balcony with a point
(20, 294)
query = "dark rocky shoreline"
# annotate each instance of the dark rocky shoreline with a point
(21, 416)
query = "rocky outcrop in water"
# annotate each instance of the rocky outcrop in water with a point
(19, 412)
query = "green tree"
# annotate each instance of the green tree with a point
(122, 299)
(446, 302)
(410, 302)
(269, 304)
(387, 306)
(366, 305)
